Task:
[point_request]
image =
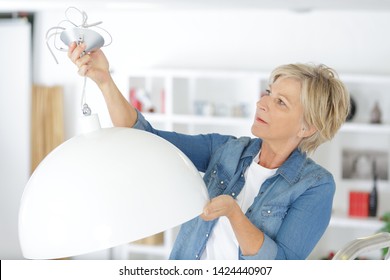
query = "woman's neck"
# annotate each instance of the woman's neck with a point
(272, 157)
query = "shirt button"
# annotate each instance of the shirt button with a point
(221, 182)
(242, 175)
(269, 211)
(233, 194)
(207, 235)
(196, 256)
(214, 171)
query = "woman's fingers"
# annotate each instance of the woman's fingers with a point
(76, 51)
(71, 48)
(83, 70)
(217, 207)
(77, 56)
(84, 60)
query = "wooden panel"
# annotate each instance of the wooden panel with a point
(47, 121)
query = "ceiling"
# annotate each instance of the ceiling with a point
(298, 5)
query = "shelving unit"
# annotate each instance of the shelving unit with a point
(190, 101)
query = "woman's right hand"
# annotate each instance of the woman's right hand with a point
(94, 65)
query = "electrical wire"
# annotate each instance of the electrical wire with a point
(57, 30)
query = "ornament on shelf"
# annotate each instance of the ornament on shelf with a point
(352, 109)
(376, 114)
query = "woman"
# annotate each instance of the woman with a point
(268, 199)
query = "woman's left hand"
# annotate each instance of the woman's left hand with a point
(249, 237)
(223, 205)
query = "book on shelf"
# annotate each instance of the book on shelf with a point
(358, 204)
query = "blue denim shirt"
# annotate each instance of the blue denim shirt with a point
(292, 208)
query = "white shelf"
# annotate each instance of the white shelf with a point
(237, 121)
(360, 223)
(191, 119)
(366, 128)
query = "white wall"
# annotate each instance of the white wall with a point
(15, 89)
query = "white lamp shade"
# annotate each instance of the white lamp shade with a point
(106, 188)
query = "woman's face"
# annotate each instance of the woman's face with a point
(279, 113)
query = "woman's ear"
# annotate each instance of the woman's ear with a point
(307, 131)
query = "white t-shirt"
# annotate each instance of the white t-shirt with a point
(222, 243)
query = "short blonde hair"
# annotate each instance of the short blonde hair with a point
(325, 100)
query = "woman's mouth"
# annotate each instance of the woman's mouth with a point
(260, 120)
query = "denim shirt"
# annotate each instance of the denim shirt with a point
(292, 209)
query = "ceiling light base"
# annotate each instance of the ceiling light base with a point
(91, 38)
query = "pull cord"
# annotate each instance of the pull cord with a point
(84, 106)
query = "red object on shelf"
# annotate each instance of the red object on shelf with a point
(134, 100)
(358, 204)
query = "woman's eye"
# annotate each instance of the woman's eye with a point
(280, 102)
(267, 92)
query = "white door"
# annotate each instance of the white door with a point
(15, 87)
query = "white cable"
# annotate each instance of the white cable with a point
(48, 38)
(83, 24)
(84, 106)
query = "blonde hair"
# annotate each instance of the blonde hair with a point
(325, 100)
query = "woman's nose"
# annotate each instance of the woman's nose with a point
(262, 104)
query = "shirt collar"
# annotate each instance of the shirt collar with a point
(292, 168)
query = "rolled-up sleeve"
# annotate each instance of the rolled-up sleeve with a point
(268, 251)
(142, 123)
